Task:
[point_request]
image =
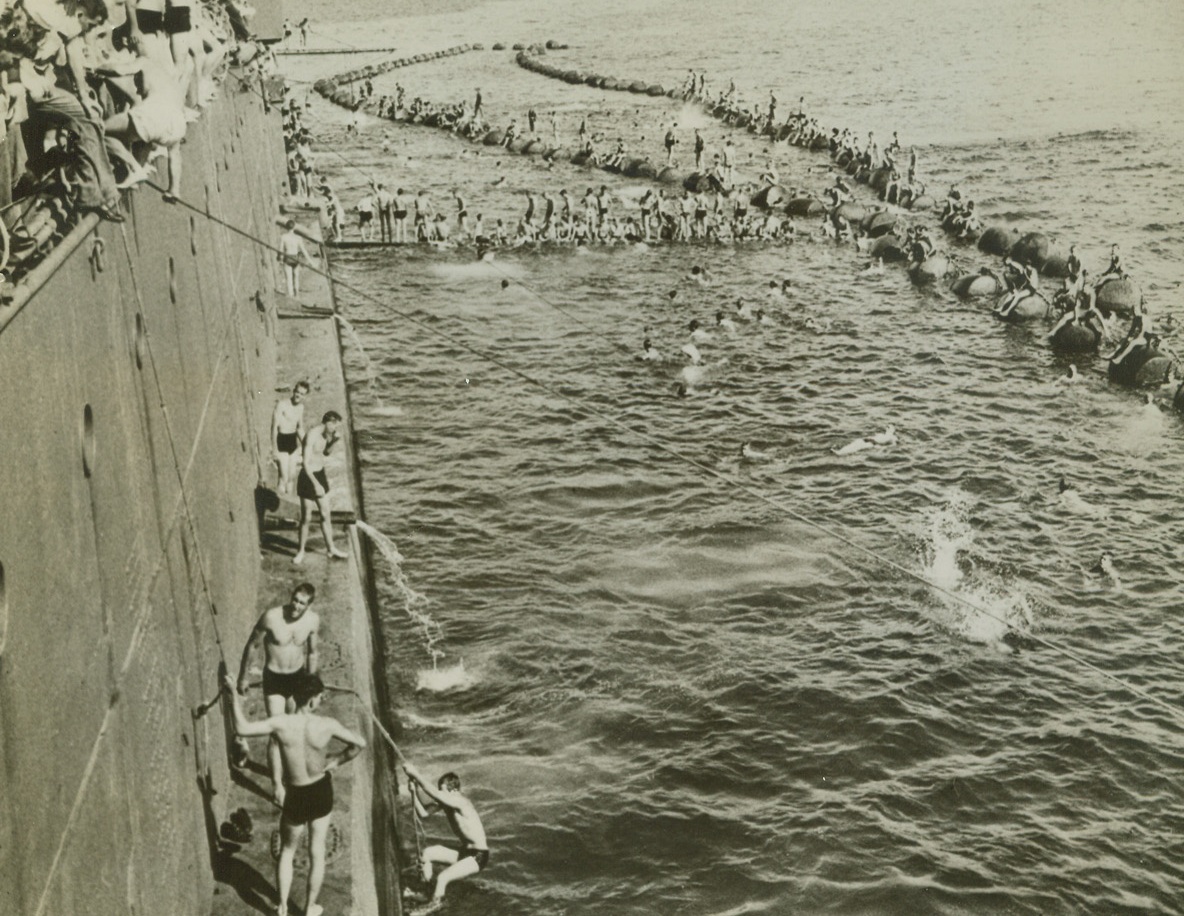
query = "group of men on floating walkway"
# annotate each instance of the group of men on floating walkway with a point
(718, 209)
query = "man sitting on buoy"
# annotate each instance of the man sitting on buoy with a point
(966, 222)
(1084, 305)
(1138, 335)
(1114, 271)
(1025, 282)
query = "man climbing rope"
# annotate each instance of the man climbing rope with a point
(473, 854)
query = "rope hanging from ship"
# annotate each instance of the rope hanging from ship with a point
(420, 834)
(832, 532)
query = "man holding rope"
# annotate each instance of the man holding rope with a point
(473, 855)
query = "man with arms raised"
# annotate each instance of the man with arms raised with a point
(289, 635)
(303, 739)
(473, 855)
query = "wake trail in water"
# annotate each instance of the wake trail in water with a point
(973, 604)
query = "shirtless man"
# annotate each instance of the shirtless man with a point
(288, 634)
(303, 739)
(399, 212)
(473, 855)
(669, 142)
(291, 250)
(384, 200)
(1115, 270)
(287, 432)
(312, 486)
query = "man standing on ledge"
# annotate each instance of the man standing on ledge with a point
(287, 431)
(289, 636)
(312, 484)
(303, 739)
(473, 855)
(291, 250)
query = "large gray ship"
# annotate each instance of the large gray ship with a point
(139, 362)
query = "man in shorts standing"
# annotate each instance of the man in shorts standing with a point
(291, 251)
(312, 484)
(287, 431)
(289, 635)
(303, 739)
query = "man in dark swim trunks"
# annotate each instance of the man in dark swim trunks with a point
(287, 430)
(473, 854)
(288, 634)
(312, 484)
(303, 739)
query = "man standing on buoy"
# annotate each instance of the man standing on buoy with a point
(670, 141)
(729, 163)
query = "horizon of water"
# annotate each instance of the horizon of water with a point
(677, 695)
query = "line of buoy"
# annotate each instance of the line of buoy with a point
(1120, 296)
(330, 87)
(295, 52)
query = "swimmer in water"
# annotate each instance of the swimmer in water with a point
(697, 333)
(649, 352)
(1071, 378)
(1071, 501)
(762, 318)
(748, 453)
(887, 437)
(1105, 568)
(725, 323)
(744, 310)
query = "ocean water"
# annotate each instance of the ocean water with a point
(679, 681)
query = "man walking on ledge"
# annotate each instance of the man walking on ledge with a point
(473, 854)
(289, 636)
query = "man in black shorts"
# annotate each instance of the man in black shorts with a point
(312, 484)
(472, 855)
(287, 431)
(303, 739)
(288, 634)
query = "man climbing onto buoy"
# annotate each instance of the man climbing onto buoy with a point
(473, 853)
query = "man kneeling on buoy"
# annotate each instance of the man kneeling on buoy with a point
(473, 854)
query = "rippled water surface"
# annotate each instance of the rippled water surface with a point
(678, 694)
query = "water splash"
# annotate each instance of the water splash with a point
(972, 602)
(483, 270)
(356, 342)
(440, 679)
(414, 603)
